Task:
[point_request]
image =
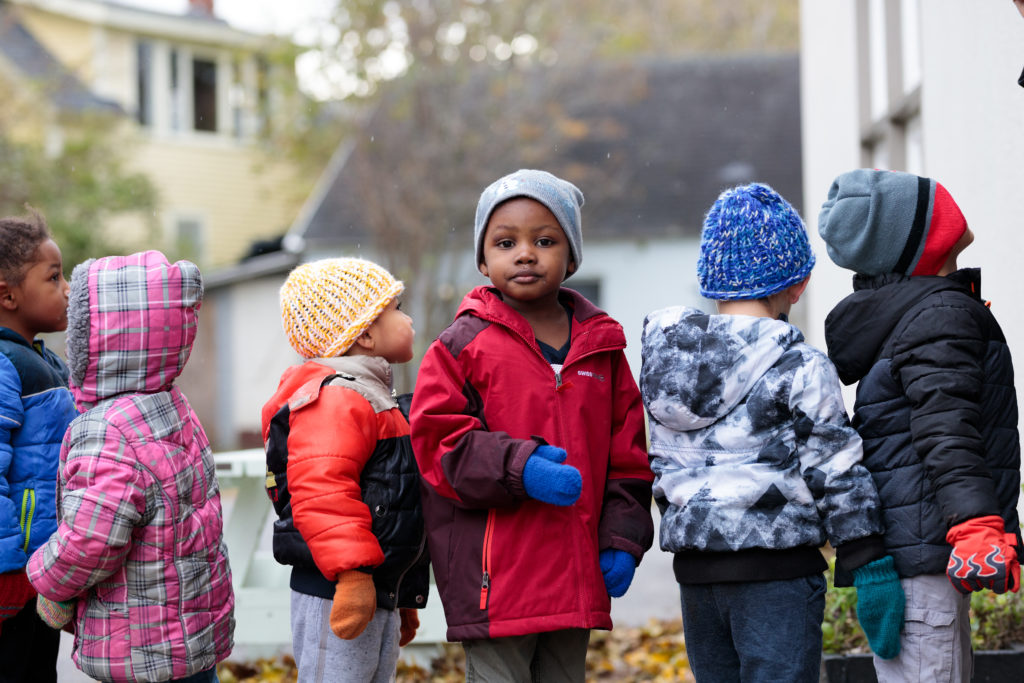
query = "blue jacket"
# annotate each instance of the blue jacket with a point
(36, 408)
(936, 407)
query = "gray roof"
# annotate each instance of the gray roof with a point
(27, 55)
(668, 137)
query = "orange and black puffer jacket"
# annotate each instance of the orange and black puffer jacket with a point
(343, 480)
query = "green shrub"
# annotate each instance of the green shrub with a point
(997, 621)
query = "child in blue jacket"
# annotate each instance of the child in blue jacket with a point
(35, 410)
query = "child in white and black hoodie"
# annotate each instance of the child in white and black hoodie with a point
(756, 464)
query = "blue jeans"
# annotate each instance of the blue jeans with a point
(755, 632)
(208, 676)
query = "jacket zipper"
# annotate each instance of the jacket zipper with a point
(485, 582)
(419, 554)
(28, 508)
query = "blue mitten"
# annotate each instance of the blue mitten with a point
(880, 605)
(547, 480)
(618, 567)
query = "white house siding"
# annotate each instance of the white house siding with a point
(971, 134)
(639, 277)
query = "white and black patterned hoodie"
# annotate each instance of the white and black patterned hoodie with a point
(755, 462)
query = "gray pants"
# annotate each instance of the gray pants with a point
(538, 657)
(323, 657)
(935, 645)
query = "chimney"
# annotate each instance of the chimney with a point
(202, 8)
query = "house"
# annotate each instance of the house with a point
(651, 143)
(928, 87)
(193, 97)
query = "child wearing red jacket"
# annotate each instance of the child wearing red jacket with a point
(341, 474)
(528, 430)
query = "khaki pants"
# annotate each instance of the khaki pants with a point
(935, 644)
(555, 656)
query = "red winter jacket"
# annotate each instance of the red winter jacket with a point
(506, 564)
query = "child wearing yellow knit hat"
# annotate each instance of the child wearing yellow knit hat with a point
(341, 473)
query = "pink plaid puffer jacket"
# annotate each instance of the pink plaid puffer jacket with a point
(139, 543)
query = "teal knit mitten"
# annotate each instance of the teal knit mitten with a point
(55, 614)
(880, 605)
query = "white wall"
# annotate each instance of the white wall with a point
(639, 278)
(973, 137)
(251, 351)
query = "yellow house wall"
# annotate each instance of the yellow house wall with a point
(226, 183)
(237, 198)
(68, 40)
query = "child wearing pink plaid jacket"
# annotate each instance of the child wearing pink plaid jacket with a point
(139, 553)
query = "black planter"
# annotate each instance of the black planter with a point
(990, 666)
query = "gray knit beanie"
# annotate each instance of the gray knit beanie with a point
(876, 222)
(561, 197)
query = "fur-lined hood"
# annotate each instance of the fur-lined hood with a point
(131, 324)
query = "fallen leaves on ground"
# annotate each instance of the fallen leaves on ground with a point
(650, 653)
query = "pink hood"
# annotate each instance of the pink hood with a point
(131, 324)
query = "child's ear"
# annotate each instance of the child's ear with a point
(482, 267)
(572, 267)
(7, 298)
(364, 341)
(796, 291)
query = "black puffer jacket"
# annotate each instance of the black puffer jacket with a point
(936, 407)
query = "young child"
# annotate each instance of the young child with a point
(936, 406)
(341, 473)
(138, 558)
(755, 462)
(528, 430)
(35, 410)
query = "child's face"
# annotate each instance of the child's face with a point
(526, 254)
(43, 293)
(392, 334)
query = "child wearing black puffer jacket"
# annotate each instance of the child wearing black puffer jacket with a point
(936, 407)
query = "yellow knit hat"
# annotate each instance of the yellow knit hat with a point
(327, 304)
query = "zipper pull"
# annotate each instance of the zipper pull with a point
(484, 588)
(558, 380)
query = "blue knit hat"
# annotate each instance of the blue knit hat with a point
(562, 198)
(753, 244)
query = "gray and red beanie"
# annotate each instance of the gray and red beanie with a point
(876, 222)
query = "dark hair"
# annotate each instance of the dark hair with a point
(20, 237)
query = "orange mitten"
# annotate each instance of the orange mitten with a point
(410, 622)
(355, 600)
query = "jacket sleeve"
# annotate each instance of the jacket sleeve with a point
(626, 522)
(102, 498)
(330, 440)
(12, 553)
(830, 453)
(938, 359)
(456, 453)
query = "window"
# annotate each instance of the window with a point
(204, 94)
(591, 289)
(889, 71)
(177, 96)
(188, 238)
(144, 82)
